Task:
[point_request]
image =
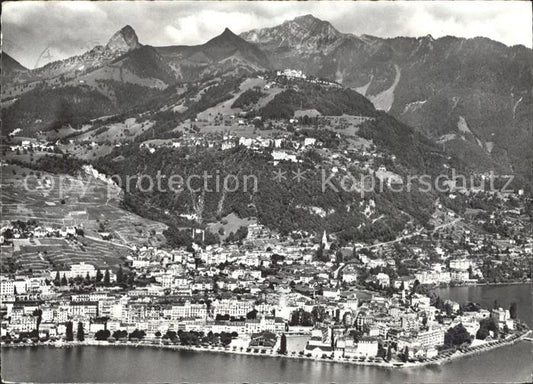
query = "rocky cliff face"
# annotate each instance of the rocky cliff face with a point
(123, 41)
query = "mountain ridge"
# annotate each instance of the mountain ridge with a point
(471, 96)
(432, 84)
(191, 62)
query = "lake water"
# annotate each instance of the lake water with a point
(126, 364)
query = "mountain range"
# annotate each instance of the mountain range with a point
(472, 97)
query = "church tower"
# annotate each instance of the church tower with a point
(325, 243)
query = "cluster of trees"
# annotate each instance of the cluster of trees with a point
(248, 97)
(485, 327)
(102, 335)
(457, 336)
(327, 100)
(197, 338)
(105, 334)
(137, 334)
(120, 334)
(100, 278)
(183, 238)
(511, 270)
(56, 108)
(411, 148)
(301, 317)
(54, 164)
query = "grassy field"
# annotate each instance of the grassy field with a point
(229, 224)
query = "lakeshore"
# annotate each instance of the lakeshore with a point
(437, 360)
(508, 363)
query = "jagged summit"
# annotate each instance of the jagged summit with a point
(229, 44)
(225, 53)
(124, 40)
(306, 17)
(314, 24)
(305, 32)
(226, 37)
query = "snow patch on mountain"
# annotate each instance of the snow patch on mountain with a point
(414, 106)
(448, 137)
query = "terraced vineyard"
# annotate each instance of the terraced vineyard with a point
(84, 202)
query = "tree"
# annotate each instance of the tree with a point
(320, 253)
(252, 314)
(225, 338)
(39, 314)
(513, 310)
(99, 275)
(389, 353)
(301, 317)
(405, 355)
(482, 333)
(120, 275)
(456, 336)
(102, 335)
(120, 333)
(107, 277)
(283, 344)
(215, 284)
(188, 338)
(170, 335)
(485, 326)
(64, 280)
(57, 279)
(137, 334)
(69, 334)
(81, 334)
(318, 313)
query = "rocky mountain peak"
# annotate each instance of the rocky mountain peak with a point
(124, 40)
(226, 36)
(315, 26)
(304, 33)
(227, 31)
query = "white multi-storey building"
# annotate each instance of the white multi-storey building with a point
(188, 310)
(80, 270)
(430, 338)
(232, 307)
(7, 287)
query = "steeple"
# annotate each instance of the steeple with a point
(324, 242)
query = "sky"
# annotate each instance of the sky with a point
(36, 32)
